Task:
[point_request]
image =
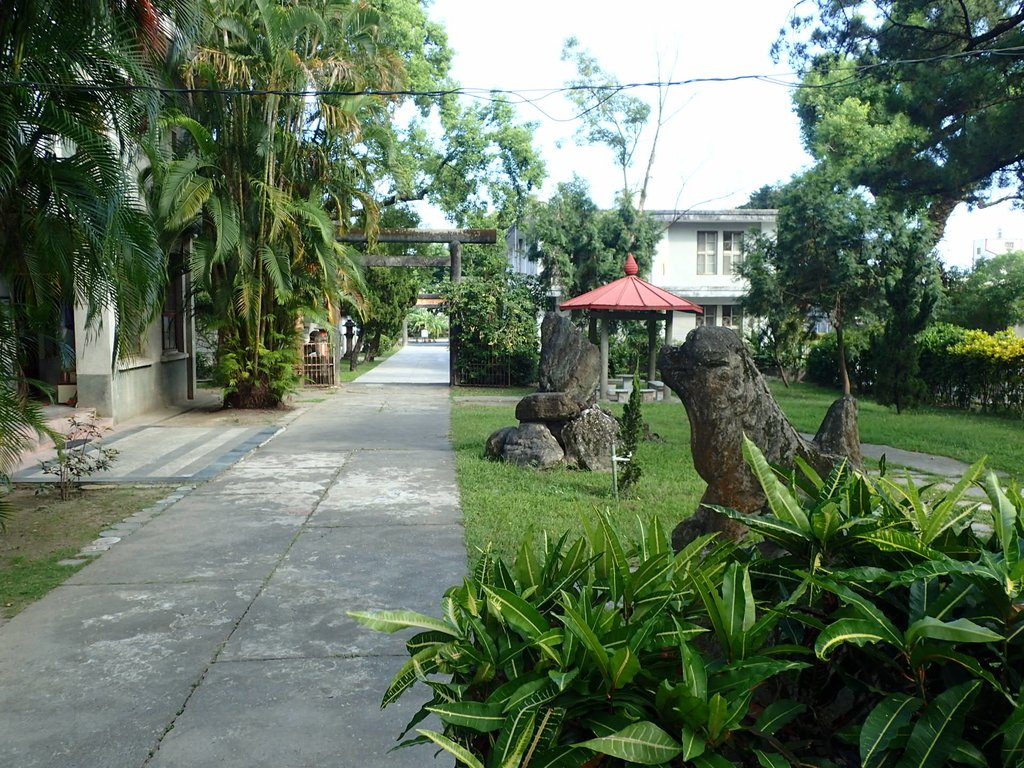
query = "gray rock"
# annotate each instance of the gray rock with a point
(588, 440)
(726, 397)
(532, 445)
(838, 434)
(496, 442)
(547, 406)
(569, 363)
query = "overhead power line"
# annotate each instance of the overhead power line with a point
(518, 95)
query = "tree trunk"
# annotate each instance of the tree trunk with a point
(844, 374)
(782, 370)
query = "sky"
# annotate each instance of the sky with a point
(724, 139)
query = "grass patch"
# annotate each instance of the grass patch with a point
(966, 437)
(501, 502)
(345, 375)
(492, 391)
(43, 530)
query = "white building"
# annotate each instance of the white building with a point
(994, 246)
(696, 258)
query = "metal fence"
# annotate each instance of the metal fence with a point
(489, 372)
(319, 367)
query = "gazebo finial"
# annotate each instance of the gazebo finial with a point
(631, 267)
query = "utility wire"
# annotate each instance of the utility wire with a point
(513, 95)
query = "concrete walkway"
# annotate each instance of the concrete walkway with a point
(216, 634)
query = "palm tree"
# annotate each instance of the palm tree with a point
(267, 171)
(73, 102)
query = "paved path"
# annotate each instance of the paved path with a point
(216, 634)
(415, 363)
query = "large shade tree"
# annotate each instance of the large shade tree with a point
(582, 247)
(990, 296)
(919, 101)
(823, 256)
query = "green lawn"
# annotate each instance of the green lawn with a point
(956, 434)
(501, 502)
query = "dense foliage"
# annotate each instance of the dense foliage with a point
(990, 296)
(914, 100)
(390, 294)
(494, 318)
(71, 230)
(958, 367)
(883, 628)
(581, 247)
(631, 435)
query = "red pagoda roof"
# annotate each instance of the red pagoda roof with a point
(631, 294)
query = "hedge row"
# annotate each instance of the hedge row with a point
(959, 367)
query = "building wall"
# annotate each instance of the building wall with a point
(152, 378)
(676, 262)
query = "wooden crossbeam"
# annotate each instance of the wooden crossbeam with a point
(485, 236)
(381, 260)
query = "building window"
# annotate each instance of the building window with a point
(172, 321)
(707, 253)
(710, 316)
(732, 316)
(732, 252)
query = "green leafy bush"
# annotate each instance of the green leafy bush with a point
(970, 368)
(595, 648)
(913, 608)
(938, 368)
(868, 623)
(631, 433)
(823, 360)
(495, 320)
(628, 348)
(258, 378)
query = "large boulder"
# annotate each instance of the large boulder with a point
(547, 406)
(838, 435)
(532, 445)
(588, 440)
(569, 363)
(726, 397)
(495, 446)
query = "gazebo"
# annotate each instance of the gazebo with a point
(631, 298)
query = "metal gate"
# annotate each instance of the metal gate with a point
(319, 364)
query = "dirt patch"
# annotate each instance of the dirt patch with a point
(210, 410)
(40, 525)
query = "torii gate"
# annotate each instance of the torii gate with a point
(454, 237)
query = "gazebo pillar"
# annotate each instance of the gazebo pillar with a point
(669, 317)
(625, 299)
(652, 350)
(603, 393)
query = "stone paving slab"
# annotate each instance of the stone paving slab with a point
(92, 676)
(165, 454)
(302, 611)
(420, 489)
(414, 364)
(299, 713)
(214, 631)
(368, 419)
(209, 540)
